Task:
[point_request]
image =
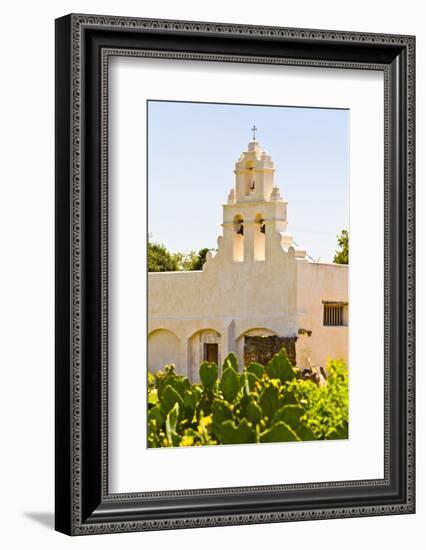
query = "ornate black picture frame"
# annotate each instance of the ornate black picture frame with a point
(83, 45)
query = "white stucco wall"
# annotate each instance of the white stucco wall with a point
(228, 297)
(317, 283)
(282, 296)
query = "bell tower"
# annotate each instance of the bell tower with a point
(254, 173)
(255, 211)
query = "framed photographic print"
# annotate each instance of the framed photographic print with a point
(234, 274)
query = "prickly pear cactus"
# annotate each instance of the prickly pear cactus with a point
(208, 374)
(256, 404)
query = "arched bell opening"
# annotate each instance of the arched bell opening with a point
(259, 238)
(250, 183)
(238, 240)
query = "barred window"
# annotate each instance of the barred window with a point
(334, 314)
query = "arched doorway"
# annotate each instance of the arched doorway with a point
(204, 345)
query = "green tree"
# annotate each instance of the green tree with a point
(193, 261)
(198, 260)
(342, 253)
(160, 259)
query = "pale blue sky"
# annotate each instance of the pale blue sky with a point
(192, 149)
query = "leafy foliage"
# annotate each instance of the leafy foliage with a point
(193, 261)
(326, 407)
(160, 259)
(342, 254)
(256, 405)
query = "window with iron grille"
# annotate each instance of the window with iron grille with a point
(334, 315)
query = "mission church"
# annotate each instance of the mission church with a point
(257, 293)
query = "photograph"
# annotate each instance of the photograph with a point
(248, 274)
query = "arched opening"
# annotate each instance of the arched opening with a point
(261, 344)
(238, 241)
(163, 349)
(259, 238)
(204, 345)
(250, 178)
(241, 341)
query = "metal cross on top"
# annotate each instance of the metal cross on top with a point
(254, 130)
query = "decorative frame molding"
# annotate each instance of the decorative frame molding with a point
(84, 43)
